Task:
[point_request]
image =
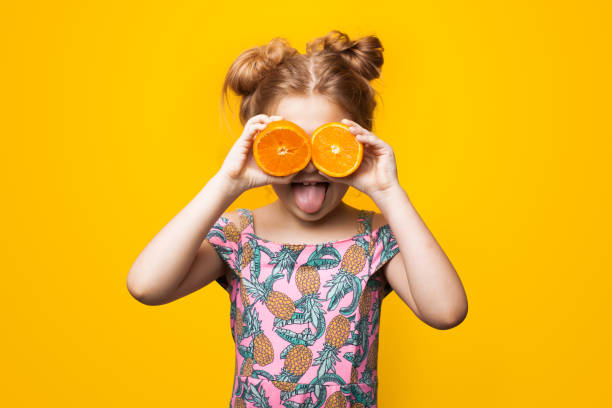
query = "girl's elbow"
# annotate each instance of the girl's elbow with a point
(139, 291)
(453, 319)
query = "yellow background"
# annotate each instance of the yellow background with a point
(499, 114)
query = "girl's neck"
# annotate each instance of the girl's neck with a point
(276, 222)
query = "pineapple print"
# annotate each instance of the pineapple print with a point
(362, 335)
(353, 260)
(365, 228)
(308, 282)
(337, 332)
(336, 400)
(358, 405)
(354, 375)
(371, 246)
(307, 279)
(365, 218)
(244, 221)
(263, 352)
(298, 360)
(278, 303)
(244, 296)
(336, 336)
(260, 351)
(345, 280)
(239, 403)
(372, 359)
(226, 233)
(246, 256)
(231, 231)
(286, 386)
(295, 248)
(389, 244)
(239, 324)
(247, 367)
(365, 302)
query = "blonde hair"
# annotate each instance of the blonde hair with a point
(334, 66)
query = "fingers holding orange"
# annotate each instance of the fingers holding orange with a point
(354, 127)
(257, 123)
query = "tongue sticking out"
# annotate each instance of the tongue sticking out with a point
(309, 198)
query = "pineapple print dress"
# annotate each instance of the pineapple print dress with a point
(304, 318)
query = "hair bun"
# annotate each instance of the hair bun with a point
(252, 65)
(364, 55)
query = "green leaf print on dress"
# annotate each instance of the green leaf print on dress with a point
(346, 281)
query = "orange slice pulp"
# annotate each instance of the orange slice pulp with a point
(282, 148)
(335, 150)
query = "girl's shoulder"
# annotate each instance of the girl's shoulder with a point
(239, 218)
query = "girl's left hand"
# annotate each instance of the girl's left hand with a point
(377, 173)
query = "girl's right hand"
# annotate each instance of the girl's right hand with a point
(239, 166)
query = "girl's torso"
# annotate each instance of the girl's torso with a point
(304, 318)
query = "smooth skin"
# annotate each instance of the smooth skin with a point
(179, 261)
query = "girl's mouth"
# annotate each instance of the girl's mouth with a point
(309, 196)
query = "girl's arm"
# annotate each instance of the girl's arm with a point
(160, 271)
(179, 260)
(422, 276)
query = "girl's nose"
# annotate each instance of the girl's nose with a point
(311, 169)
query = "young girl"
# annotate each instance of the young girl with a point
(306, 274)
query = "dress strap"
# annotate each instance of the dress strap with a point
(246, 218)
(365, 221)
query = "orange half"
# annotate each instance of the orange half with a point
(282, 148)
(335, 150)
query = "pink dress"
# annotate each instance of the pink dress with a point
(304, 317)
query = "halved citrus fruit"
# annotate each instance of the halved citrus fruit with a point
(282, 148)
(335, 150)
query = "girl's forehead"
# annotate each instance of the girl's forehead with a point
(309, 112)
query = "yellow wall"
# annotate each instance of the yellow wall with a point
(498, 112)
